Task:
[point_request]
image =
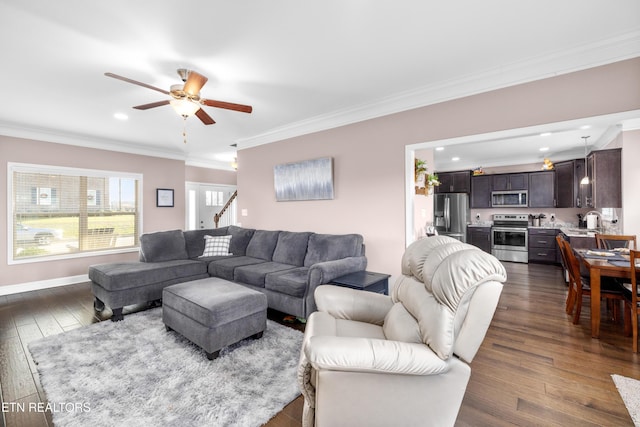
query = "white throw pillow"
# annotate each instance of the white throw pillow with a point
(216, 246)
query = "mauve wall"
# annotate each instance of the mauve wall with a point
(209, 176)
(157, 173)
(370, 161)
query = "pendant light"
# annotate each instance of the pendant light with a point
(585, 180)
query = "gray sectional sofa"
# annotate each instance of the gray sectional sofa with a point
(286, 266)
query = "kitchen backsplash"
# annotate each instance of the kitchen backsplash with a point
(563, 217)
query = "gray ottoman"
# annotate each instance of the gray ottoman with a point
(214, 313)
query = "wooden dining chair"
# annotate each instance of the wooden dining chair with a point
(630, 293)
(610, 290)
(612, 241)
(571, 295)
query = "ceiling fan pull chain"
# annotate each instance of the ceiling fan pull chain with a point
(184, 128)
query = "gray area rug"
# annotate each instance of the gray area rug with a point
(629, 390)
(135, 373)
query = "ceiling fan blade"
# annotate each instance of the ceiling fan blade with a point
(227, 105)
(135, 82)
(194, 83)
(206, 119)
(151, 105)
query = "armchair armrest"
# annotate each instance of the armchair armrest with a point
(373, 355)
(352, 304)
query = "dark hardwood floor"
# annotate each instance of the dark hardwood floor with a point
(534, 367)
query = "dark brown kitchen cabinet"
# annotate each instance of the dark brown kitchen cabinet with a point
(481, 191)
(568, 177)
(543, 246)
(479, 236)
(605, 179)
(454, 182)
(542, 192)
(510, 181)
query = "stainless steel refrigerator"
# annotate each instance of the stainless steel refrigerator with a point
(451, 214)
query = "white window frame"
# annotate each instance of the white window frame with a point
(70, 171)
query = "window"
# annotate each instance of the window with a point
(57, 212)
(214, 198)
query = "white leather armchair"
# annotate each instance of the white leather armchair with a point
(372, 360)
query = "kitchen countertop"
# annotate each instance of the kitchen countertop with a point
(570, 230)
(580, 232)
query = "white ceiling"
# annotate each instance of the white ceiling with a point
(303, 66)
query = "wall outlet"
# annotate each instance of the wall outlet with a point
(477, 217)
(552, 217)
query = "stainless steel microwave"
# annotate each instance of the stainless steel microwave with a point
(509, 199)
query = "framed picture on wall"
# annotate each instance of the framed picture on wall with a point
(164, 198)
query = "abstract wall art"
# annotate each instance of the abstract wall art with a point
(306, 180)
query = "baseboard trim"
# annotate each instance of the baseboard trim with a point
(42, 284)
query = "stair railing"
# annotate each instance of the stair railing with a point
(216, 217)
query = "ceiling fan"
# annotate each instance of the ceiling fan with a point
(185, 98)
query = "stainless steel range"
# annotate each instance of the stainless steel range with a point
(510, 238)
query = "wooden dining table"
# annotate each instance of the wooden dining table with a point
(598, 268)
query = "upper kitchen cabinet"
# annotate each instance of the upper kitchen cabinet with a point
(605, 179)
(454, 182)
(510, 181)
(542, 188)
(568, 191)
(481, 191)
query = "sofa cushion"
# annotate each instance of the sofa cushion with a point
(163, 246)
(126, 275)
(224, 267)
(329, 247)
(255, 274)
(194, 239)
(216, 246)
(262, 244)
(290, 282)
(240, 239)
(291, 248)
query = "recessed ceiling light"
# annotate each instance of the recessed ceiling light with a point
(439, 148)
(545, 134)
(544, 149)
(585, 127)
(121, 116)
(455, 159)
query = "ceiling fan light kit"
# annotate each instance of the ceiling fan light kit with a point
(184, 107)
(185, 98)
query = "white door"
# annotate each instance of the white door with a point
(206, 200)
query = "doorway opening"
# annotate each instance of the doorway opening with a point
(204, 201)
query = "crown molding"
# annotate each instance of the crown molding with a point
(622, 47)
(87, 141)
(90, 141)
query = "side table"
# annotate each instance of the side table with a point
(365, 281)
